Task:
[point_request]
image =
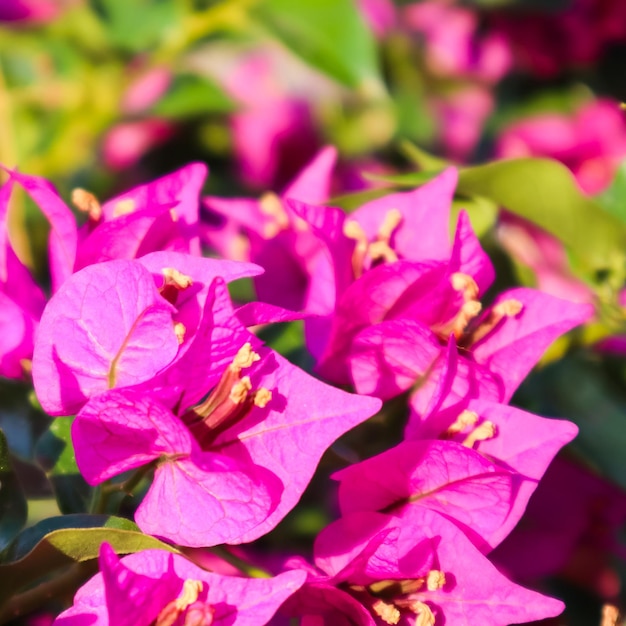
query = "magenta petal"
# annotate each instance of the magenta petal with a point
(388, 358)
(207, 500)
(440, 475)
(531, 454)
(473, 260)
(512, 349)
(120, 430)
(319, 604)
(106, 327)
(212, 347)
(377, 295)
(360, 548)
(289, 436)
(134, 591)
(130, 236)
(476, 592)
(63, 233)
(255, 313)
(313, 183)
(424, 210)
(16, 337)
(179, 190)
(133, 598)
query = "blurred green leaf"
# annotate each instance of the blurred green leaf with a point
(613, 199)
(190, 94)
(138, 25)
(13, 509)
(421, 158)
(481, 211)
(328, 34)
(545, 192)
(55, 454)
(64, 540)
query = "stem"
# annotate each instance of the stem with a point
(63, 585)
(243, 566)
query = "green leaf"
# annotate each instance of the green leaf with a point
(13, 508)
(190, 94)
(481, 211)
(328, 34)
(421, 158)
(55, 454)
(613, 199)
(138, 25)
(410, 179)
(61, 541)
(545, 192)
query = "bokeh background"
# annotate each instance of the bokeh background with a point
(107, 94)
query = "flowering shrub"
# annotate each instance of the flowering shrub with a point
(324, 384)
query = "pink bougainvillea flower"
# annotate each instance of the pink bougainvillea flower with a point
(161, 215)
(235, 461)
(372, 257)
(127, 142)
(267, 232)
(273, 133)
(373, 571)
(155, 587)
(453, 44)
(111, 324)
(21, 302)
(28, 11)
(496, 349)
(460, 117)
(380, 15)
(444, 476)
(591, 142)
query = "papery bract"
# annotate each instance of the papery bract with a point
(239, 477)
(440, 475)
(157, 587)
(374, 571)
(109, 326)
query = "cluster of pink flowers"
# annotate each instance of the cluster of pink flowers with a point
(142, 342)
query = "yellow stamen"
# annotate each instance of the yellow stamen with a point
(174, 215)
(466, 284)
(353, 230)
(272, 206)
(435, 580)
(175, 278)
(425, 616)
(262, 397)
(172, 611)
(86, 202)
(610, 615)
(124, 207)
(387, 612)
(381, 250)
(392, 220)
(239, 391)
(486, 430)
(506, 308)
(191, 591)
(466, 418)
(179, 331)
(244, 358)
(469, 310)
